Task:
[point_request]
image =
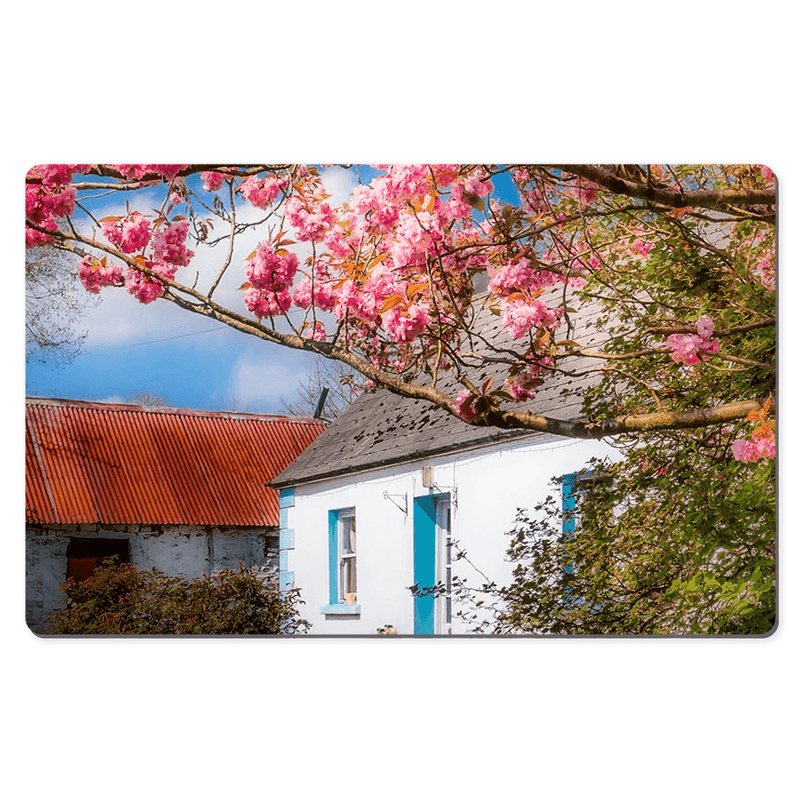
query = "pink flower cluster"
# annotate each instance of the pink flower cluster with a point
(262, 192)
(94, 274)
(523, 386)
(144, 288)
(767, 174)
(415, 238)
(311, 219)
(585, 192)
(320, 294)
(48, 195)
(463, 194)
(465, 405)
(212, 181)
(266, 303)
(403, 324)
(640, 246)
(765, 270)
(750, 450)
(519, 316)
(689, 348)
(169, 244)
(129, 234)
(271, 275)
(132, 234)
(519, 274)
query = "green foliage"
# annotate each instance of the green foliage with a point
(119, 599)
(677, 538)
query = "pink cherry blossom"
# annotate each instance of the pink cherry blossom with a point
(270, 271)
(765, 269)
(705, 328)
(692, 348)
(405, 324)
(465, 405)
(138, 171)
(312, 220)
(767, 174)
(94, 275)
(318, 333)
(144, 288)
(261, 192)
(266, 303)
(130, 234)
(135, 233)
(520, 274)
(169, 244)
(322, 295)
(519, 316)
(132, 171)
(212, 181)
(752, 450)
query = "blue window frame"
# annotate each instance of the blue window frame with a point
(342, 563)
(569, 508)
(574, 488)
(569, 502)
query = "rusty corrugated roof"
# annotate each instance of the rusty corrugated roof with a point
(115, 464)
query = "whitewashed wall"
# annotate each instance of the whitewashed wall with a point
(179, 551)
(489, 487)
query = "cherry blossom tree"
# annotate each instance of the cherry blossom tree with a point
(681, 258)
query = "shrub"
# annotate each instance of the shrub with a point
(118, 599)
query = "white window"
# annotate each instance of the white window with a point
(444, 566)
(348, 585)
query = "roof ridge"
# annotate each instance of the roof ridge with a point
(59, 402)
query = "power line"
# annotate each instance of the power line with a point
(152, 341)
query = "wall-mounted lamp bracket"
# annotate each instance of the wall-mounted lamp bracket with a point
(451, 490)
(404, 507)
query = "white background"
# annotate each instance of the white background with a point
(340, 82)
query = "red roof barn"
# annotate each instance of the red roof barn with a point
(184, 491)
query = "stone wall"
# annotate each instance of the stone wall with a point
(180, 551)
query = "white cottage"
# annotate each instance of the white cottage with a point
(376, 504)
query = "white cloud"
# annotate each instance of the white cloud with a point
(339, 183)
(259, 381)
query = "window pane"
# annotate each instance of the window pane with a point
(348, 575)
(348, 535)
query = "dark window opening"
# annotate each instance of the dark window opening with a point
(85, 555)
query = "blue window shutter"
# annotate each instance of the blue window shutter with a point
(287, 539)
(333, 556)
(287, 498)
(286, 581)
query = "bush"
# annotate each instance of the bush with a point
(118, 599)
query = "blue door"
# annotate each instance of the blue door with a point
(424, 562)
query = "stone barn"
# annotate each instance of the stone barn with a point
(181, 491)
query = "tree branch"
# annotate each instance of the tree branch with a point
(719, 200)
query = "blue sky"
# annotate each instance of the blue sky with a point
(190, 361)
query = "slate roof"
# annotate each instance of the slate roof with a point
(121, 464)
(382, 428)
